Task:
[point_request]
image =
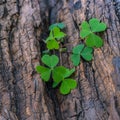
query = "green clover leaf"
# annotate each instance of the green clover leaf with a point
(85, 29)
(58, 73)
(93, 26)
(96, 26)
(50, 61)
(60, 25)
(77, 49)
(58, 34)
(52, 44)
(88, 30)
(87, 53)
(84, 52)
(75, 58)
(45, 72)
(94, 41)
(55, 34)
(62, 72)
(67, 85)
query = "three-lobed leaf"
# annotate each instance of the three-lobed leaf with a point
(55, 34)
(59, 74)
(88, 30)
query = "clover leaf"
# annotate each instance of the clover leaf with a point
(75, 59)
(58, 71)
(94, 41)
(88, 30)
(60, 25)
(85, 29)
(84, 52)
(87, 53)
(50, 61)
(67, 85)
(55, 34)
(58, 34)
(45, 72)
(96, 25)
(52, 44)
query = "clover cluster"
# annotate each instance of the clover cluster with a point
(60, 75)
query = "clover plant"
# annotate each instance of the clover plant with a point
(88, 32)
(60, 75)
(92, 40)
(54, 38)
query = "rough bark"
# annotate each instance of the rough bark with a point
(23, 96)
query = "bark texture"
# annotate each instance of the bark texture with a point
(23, 95)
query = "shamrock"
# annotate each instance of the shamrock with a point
(60, 74)
(88, 32)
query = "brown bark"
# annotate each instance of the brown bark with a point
(23, 95)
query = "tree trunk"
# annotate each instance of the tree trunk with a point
(23, 95)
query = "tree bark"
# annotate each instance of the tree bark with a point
(23, 96)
